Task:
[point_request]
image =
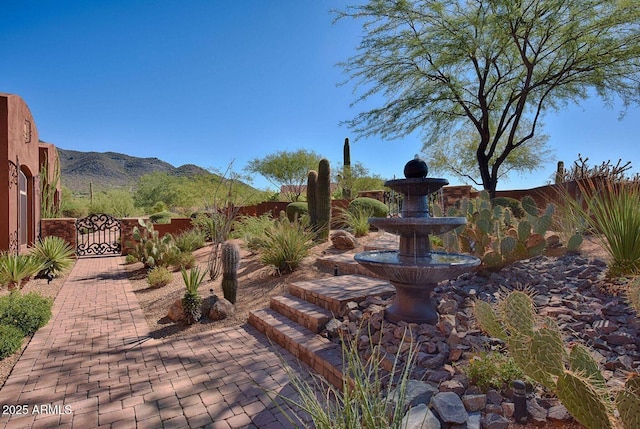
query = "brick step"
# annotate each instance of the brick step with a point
(333, 293)
(319, 353)
(304, 313)
(344, 264)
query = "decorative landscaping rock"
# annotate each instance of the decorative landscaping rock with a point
(420, 417)
(176, 311)
(449, 407)
(221, 309)
(344, 240)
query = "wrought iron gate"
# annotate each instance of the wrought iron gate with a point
(98, 234)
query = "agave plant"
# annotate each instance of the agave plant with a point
(17, 270)
(56, 255)
(191, 301)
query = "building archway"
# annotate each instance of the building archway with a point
(26, 207)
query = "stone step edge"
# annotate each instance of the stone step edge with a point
(345, 267)
(323, 356)
(304, 313)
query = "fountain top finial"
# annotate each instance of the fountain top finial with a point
(416, 168)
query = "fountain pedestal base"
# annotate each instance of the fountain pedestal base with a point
(413, 304)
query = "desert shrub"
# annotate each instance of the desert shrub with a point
(297, 210)
(27, 312)
(365, 400)
(375, 207)
(286, 244)
(16, 270)
(160, 217)
(10, 340)
(130, 259)
(159, 276)
(188, 241)
(355, 220)
(183, 260)
(492, 370)
(56, 255)
(611, 213)
(250, 229)
(513, 204)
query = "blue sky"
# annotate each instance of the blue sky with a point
(210, 82)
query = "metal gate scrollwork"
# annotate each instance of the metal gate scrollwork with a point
(98, 234)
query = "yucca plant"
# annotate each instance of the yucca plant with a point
(191, 301)
(356, 219)
(17, 270)
(611, 212)
(286, 244)
(56, 255)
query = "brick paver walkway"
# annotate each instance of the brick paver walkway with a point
(94, 366)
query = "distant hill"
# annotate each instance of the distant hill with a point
(108, 170)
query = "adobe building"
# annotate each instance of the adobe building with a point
(23, 156)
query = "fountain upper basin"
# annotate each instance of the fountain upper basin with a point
(417, 226)
(436, 267)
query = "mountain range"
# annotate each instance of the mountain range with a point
(108, 170)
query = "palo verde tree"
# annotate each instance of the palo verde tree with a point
(498, 65)
(286, 170)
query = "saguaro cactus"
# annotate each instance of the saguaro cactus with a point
(230, 261)
(312, 198)
(324, 199)
(346, 173)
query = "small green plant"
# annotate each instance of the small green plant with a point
(27, 312)
(286, 244)
(371, 205)
(356, 219)
(163, 217)
(363, 401)
(230, 263)
(188, 241)
(159, 276)
(250, 229)
(493, 370)
(184, 260)
(130, 259)
(10, 340)
(191, 301)
(17, 270)
(56, 255)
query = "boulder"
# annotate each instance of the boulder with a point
(221, 309)
(420, 417)
(176, 311)
(344, 240)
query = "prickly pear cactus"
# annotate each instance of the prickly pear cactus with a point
(574, 243)
(581, 362)
(230, 258)
(517, 312)
(628, 402)
(585, 403)
(487, 319)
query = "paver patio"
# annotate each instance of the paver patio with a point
(95, 366)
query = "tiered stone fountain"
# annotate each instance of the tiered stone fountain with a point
(414, 270)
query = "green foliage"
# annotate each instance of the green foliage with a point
(611, 212)
(251, 229)
(191, 301)
(287, 169)
(356, 220)
(297, 210)
(10, 340)
(116, 202)
(149, 248)
(183, 260)
(56, 255)
(537, 348)
(371, 205)
(365, 400)
(286, 244)
(27, 312)
(438, 67)
(188, 241)
(493, 370)
(160, 217)
(17, 270)
(230, 263)
(159, 276)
